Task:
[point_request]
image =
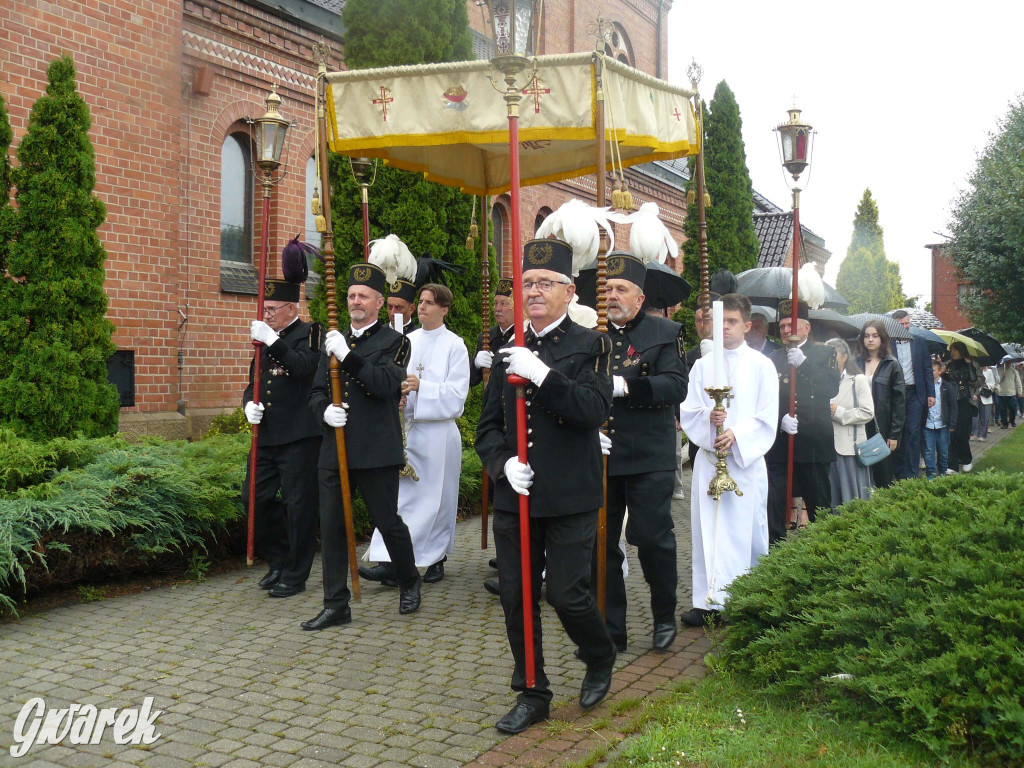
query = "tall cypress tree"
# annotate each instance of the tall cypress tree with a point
(430, 218)
(732, 242)
(56, 382)
(10, 323)
(867, 279)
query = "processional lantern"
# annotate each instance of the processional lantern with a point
(795, 139)
(271, 130)
(513, 31)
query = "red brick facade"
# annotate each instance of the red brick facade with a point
(166, 82)
(947, 289)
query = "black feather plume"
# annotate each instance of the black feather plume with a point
(294, 261)
(431, 270)
(723, 282)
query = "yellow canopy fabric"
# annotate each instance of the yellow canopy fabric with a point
(449, 122)
(973, 347)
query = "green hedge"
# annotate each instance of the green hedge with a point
(918, 596)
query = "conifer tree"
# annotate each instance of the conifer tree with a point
(10, 324)
(56, 383)
(867, 279)
(732, 242)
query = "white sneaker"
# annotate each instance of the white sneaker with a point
(967, 467)
(950, 471)
(678, 495)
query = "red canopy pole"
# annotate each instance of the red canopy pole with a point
(792, 341)
(512, 96)
(250, 537)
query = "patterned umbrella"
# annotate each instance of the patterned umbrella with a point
(893, 327)
(920, 318)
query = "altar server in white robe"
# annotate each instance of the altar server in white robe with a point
(435, 391)
(729, 535)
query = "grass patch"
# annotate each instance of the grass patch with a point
(1005, 456)
(719, 723)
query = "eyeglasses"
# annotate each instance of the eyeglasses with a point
(544, 286)
(273, 310)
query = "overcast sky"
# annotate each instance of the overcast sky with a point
(903, 95)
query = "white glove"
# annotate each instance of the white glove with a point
(706, 347)
(606, 443)
(335, 344)
(519, 476)
(619, 387)
(336, 416)
(262, 332)
(795, 356)
(522, 362)
(483, 358)
(253, 412)
(789, 424)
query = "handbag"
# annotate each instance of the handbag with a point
(875, 448)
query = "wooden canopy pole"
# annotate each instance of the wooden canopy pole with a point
(602, 324)
(486, 307)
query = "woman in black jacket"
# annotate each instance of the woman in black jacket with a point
(889, 393)
(964, 376)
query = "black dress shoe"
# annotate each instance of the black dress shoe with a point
(493, 562)
(701, 617)
(270, 579)
(522, 716)
(596, 682)
(286, 590)
(409, 601)
(491, 585)
(384, 573)
(664, 636)
(620, 646)
(328, 617)
(435, 572)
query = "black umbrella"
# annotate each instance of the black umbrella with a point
(662, 287)
(827, 324)
(993, 349)
(770, 285)
(936, 345)
(893, 327)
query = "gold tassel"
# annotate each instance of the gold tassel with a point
(470, 243)
(474, 230)
(707, 200)
(321, 223)
(315, 208)
(627, 197)
(617, 195)
(691, 197)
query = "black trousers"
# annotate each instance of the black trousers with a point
(650, 529)
(960, 439)
(379, 488)
(562, 545)
(906, 459)
(811, 482)
(285, 533)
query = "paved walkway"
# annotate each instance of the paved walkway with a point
(240, 685)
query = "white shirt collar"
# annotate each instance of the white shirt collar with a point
(360, 331)
(545, 331)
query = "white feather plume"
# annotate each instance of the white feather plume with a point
(649, 238)
(811, 289)
(394, 257)
(582, 314)
(578, 224)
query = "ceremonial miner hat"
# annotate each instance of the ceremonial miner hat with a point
(786, 309)
(626, 266)
(548, 253)
(504, 287)
(403, 289)
(369, 275)
(281, 290)
(721, 283)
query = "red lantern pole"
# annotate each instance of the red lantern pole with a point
(793, 340)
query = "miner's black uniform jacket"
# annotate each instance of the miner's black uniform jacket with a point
(499, 339)
(371, 380)
(817, 382)
(287, 369)
(647, 352)
(563, 418)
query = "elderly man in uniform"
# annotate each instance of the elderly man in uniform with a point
(289, 439)
(814, 450)
(401, 298)
(648, 384)
(568, 398)
(372, 358)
